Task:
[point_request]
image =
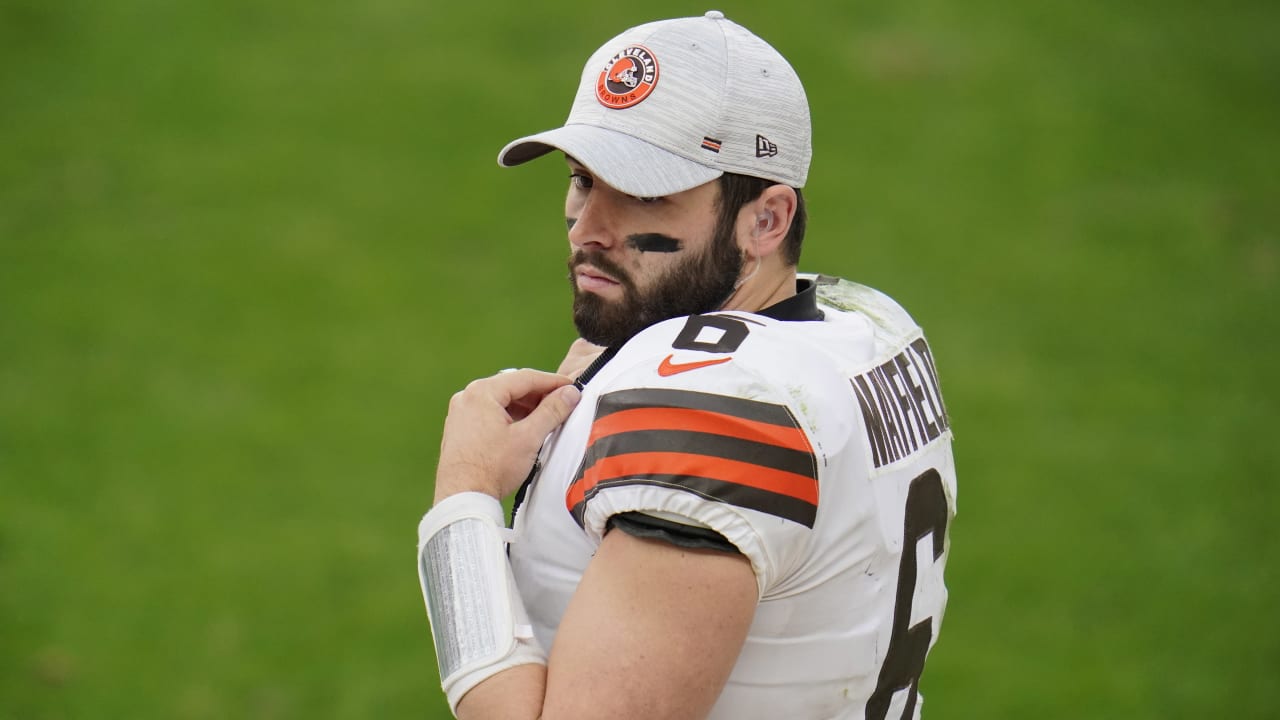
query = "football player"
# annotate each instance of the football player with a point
(742, 479)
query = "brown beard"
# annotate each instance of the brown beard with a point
(701, 284)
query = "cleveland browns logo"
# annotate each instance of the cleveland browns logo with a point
(627, 78)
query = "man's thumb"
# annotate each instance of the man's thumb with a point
(553, 410)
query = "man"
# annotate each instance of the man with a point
(737, 510)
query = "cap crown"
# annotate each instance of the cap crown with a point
(715, 94)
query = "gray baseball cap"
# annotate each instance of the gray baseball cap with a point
(673, 104)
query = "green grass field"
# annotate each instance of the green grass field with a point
(249, 249)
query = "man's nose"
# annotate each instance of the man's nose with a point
(594, 228)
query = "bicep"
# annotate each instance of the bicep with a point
(652, 631)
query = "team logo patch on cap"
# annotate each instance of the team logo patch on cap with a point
(627, 78)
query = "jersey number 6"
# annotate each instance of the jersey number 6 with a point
(729, 334)
(926, 513)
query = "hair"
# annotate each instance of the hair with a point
(738, 190)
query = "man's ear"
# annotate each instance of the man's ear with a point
(769, 217)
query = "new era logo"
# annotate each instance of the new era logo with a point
(764, 148)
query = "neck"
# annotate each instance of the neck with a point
(762, 289)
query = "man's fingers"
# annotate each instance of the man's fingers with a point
(510, 387)
(552, 411)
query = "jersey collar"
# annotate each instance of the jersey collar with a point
(801, 307)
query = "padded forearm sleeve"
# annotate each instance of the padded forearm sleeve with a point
(478, 619)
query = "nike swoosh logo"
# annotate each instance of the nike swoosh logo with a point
(668, 368)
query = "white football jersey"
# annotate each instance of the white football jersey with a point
(820, 448)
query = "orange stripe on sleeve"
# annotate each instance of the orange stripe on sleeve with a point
(799, 487)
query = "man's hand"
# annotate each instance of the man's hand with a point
(495, 428)
(581, 354)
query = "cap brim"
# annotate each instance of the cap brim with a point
(629, 165)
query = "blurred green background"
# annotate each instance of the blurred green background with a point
(249, 249)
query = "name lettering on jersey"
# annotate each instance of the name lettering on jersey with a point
(901, 404)
(727, 449)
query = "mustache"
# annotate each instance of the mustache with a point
(600, 262)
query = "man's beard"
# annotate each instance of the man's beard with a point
(699, 285)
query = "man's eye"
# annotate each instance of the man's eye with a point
(580, 181)
(648, 200)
